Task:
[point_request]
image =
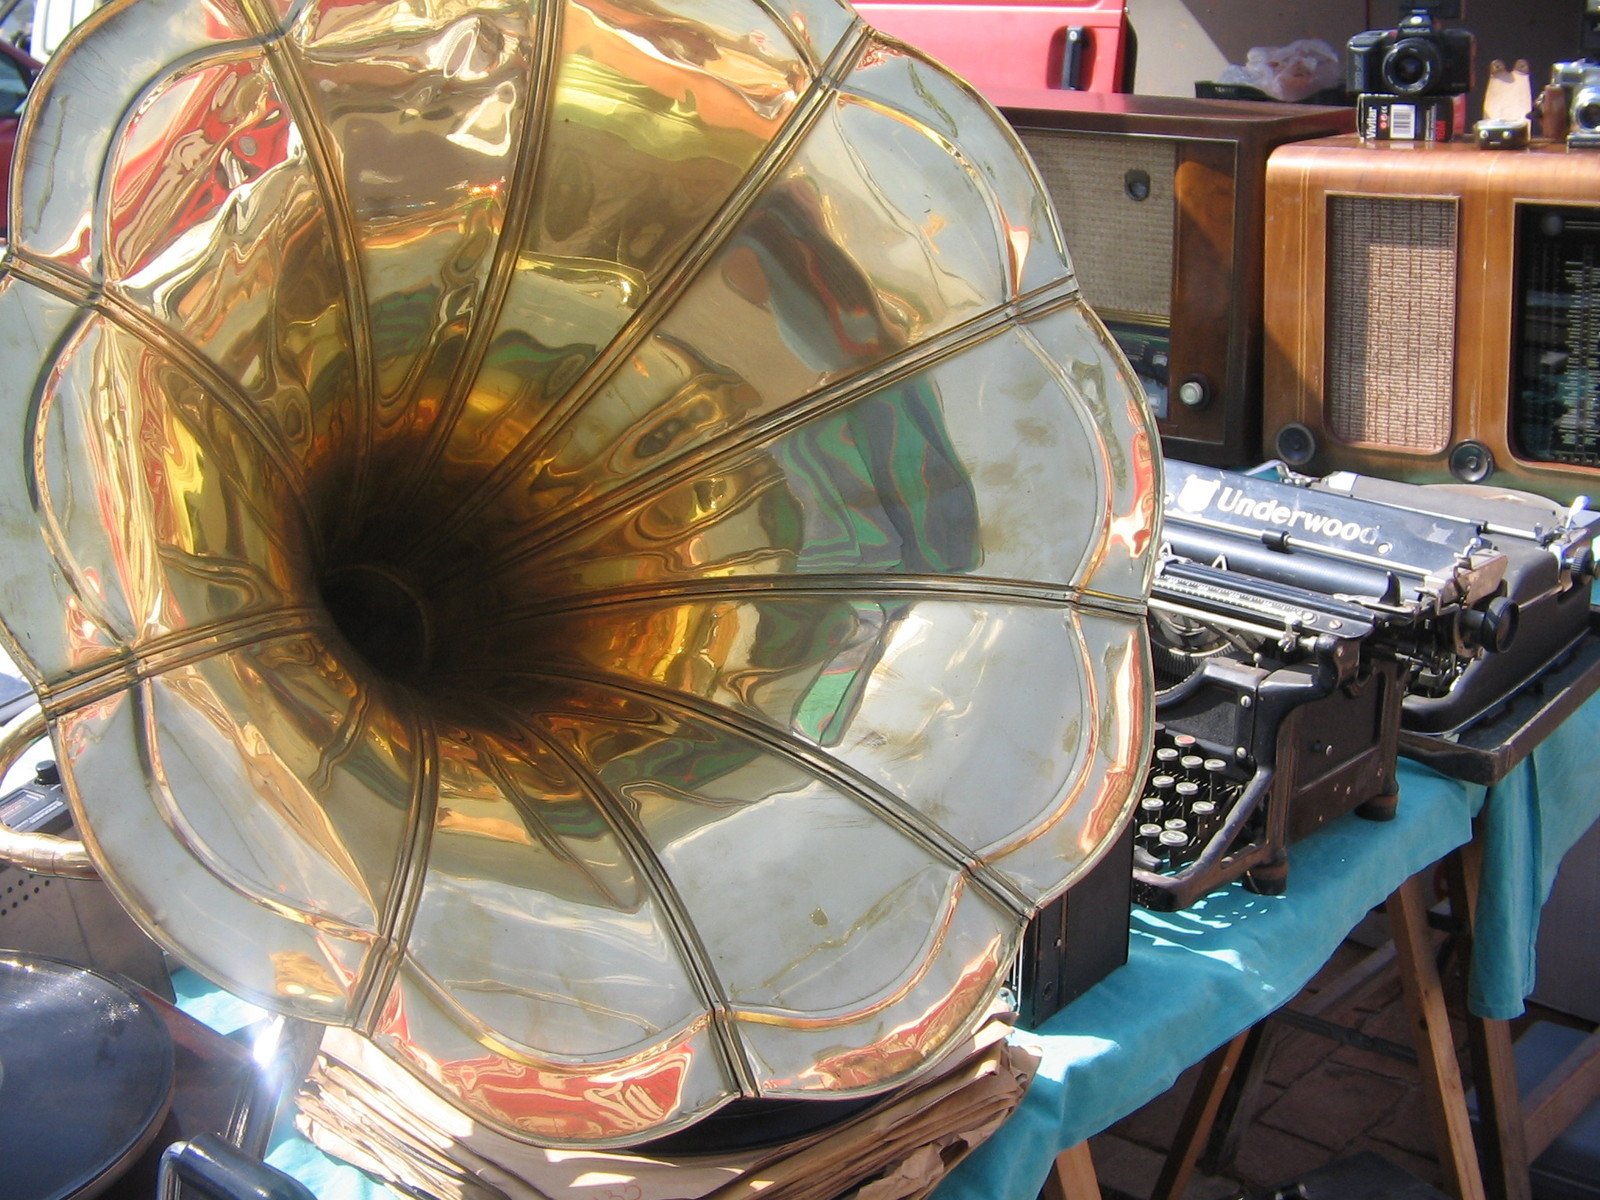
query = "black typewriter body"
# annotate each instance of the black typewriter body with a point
(1305, 631)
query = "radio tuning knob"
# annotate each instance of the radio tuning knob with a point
(1297, 445)
(1471, 462)
(1194, 392)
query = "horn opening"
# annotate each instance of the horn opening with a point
(595, 544)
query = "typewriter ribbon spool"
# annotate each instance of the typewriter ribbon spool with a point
(595, 543)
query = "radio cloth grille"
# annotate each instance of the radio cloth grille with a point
(1121, 247)
(1391, 320)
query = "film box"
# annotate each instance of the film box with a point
(1406, 119)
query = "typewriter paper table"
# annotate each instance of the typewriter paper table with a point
(1198, 978)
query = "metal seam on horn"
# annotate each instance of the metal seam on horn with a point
(520, 187)
(405, 888)
(130, 665)
(692, 951)
(278, 50)
(759, 587)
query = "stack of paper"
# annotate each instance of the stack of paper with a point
(360, 1106)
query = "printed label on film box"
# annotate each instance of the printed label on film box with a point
(1397, 119)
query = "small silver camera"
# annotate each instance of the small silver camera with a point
(1579, 80)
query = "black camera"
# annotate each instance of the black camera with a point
(1419, 58)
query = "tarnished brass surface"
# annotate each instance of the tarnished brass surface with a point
(594, 542)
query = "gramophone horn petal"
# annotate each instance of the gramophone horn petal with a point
(945, 471)
(528, 870)
(1094, 372)
(594, 543)
(193, 255)
(81, 631)
(136, 546)
(260, 947)
(596, 1103)
(80, 108)
(727, 809)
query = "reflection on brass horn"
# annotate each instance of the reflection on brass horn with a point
(596, 543)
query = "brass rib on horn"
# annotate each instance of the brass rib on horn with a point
(594, 542)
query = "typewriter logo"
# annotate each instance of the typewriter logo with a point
(1268, 511)
(1197, 494)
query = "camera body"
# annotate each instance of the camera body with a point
(1419, 58)
(1580, 81)
(1577, 87)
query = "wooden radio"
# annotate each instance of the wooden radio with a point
(1161, 200)
(1433, 312)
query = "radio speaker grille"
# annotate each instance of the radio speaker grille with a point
(1391, 320)
(1121, 246)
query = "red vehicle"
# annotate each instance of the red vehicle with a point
(1026, 49)
(17, 73)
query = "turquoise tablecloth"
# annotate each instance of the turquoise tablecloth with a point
(1531, 819)
(1196, 979)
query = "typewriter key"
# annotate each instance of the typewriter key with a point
(1173, 844)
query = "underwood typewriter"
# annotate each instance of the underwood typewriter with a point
(1302, 627)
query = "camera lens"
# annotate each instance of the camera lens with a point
(1586, 110)
(1411, 67)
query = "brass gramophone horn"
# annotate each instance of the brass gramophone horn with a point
(596, 543)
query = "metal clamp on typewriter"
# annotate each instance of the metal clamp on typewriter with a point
(1290, 626)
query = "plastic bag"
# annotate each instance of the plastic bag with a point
(1292, 72)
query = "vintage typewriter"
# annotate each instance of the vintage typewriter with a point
(1301, 628)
